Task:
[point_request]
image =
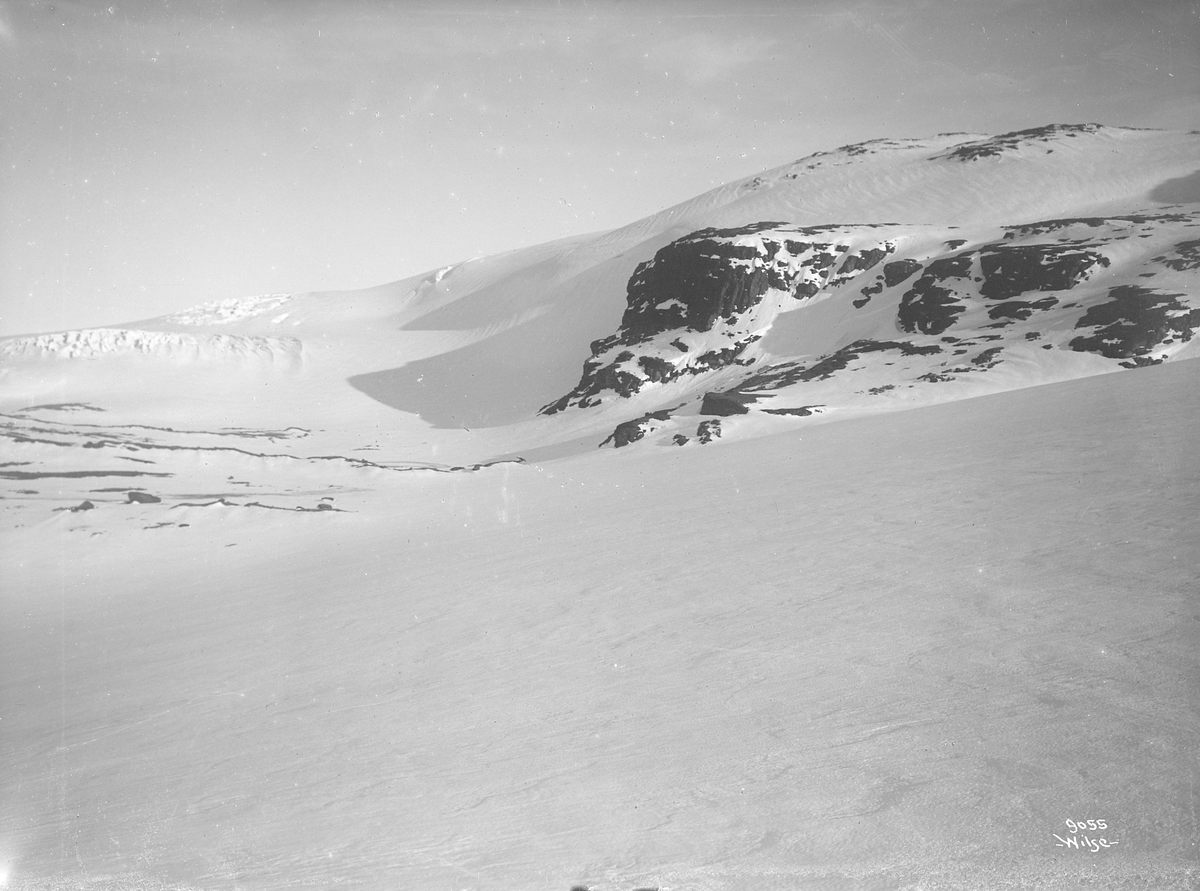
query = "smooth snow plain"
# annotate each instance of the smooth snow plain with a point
(893, 650)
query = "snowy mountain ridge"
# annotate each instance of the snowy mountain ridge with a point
(879, 276)
(704, 304)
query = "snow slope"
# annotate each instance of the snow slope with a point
(892, 573)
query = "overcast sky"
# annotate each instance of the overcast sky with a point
(158, 154)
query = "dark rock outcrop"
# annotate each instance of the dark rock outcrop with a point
(1007, 142)
(776, 377)
(928, 306)
(706, 276)
(631, 431)
(709, 278)
(802, 411)
(1044, 227)
(707, 431)
(1012, 270)
(987, 359)
(899, 270)
(725, 404)
(1134, 322)
(1020, 310)
(1187, 256)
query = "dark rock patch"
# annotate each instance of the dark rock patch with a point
(725, 404)
(707, 431)
(1045, 226)
(656, 369)
(1012, 270)
(703, 277)
(1133, 322)
(1007, 142)
(617, 377)
(776, 377)
(899, 270)
(863, 260)
(927, 306)
(726, 356)
(82, 506)
(1187, 256)
(631, 431)
(1020, 309)
(988, 358)
(868, 292)
(802, 411)
(142, 498)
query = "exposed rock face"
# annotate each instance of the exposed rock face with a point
(728, 283)
(707, 431)
(714, 313)
(894, 273)
(1186, 256)
(725, 404)
(1008, 142)
(802, 411)
(1134, 323)
(1020, 310)
(946, 288)
(632, 431)
(1142, 221)
(930, 306)
(1012, 270)
(142, 498)
(712, 274)
(777, 377)
(863, 261)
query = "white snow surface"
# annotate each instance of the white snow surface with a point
(342, 608)
(223, 311)
(94, 343)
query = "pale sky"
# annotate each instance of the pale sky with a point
(157, 155)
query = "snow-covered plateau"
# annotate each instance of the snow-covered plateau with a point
(836, 529)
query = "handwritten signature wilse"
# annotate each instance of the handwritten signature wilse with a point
(1085, 842)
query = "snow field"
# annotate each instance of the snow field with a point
(896, 652)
